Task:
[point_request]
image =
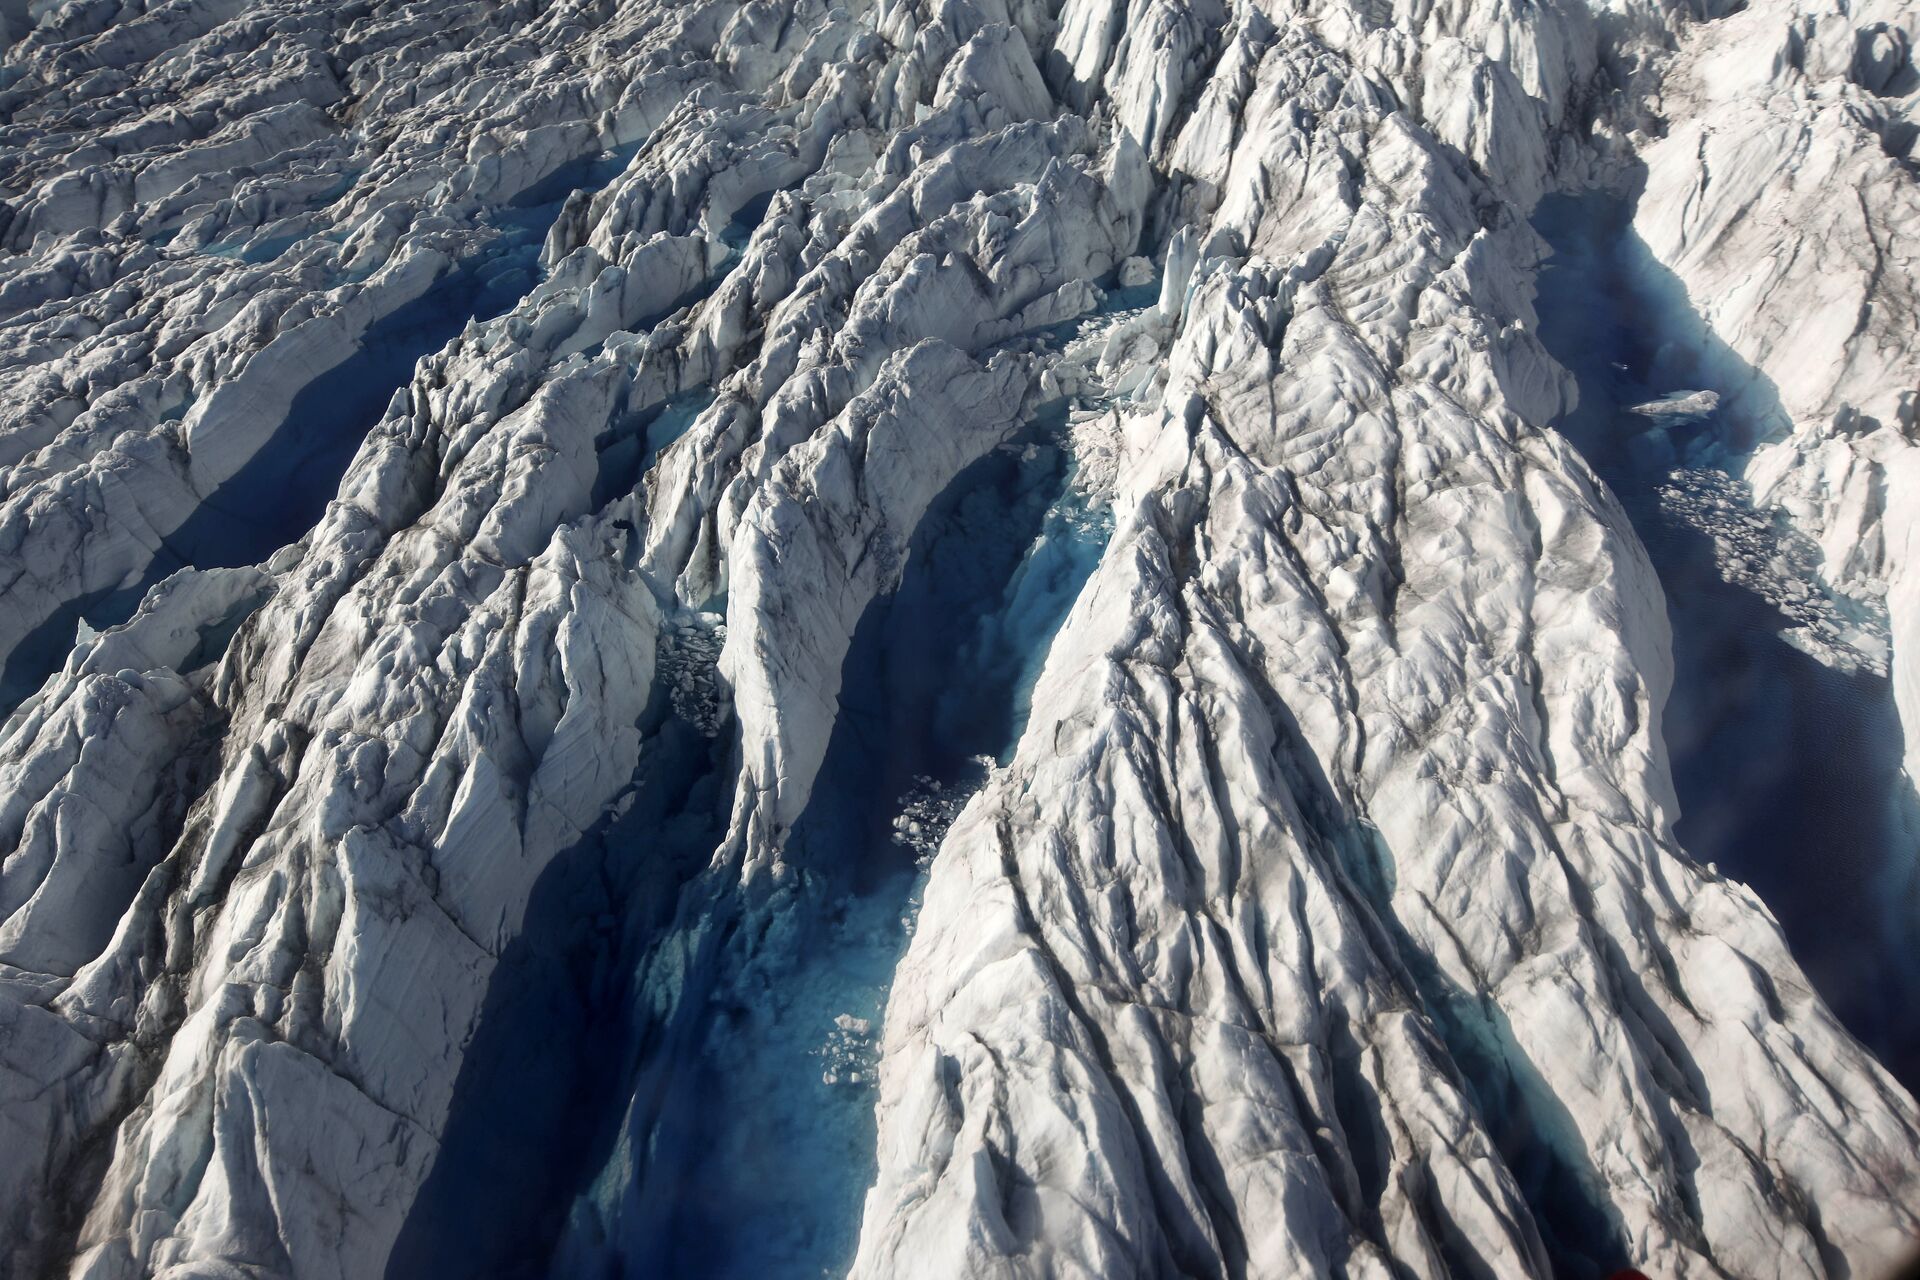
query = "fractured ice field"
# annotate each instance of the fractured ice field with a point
(959, 638)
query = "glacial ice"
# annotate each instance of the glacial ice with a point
(573, 577)
(1781, 724)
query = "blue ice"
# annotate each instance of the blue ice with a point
(753, 1144)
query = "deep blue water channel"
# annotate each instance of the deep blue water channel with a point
(753, 1147)
(1788, 771)
(734, 1135)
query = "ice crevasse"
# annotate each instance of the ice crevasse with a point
(955, 637)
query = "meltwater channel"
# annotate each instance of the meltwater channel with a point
(1788, 770)
(765, 1116)
(599, 1130)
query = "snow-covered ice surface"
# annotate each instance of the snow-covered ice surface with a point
(958, 638)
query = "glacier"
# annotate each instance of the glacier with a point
(959, 638)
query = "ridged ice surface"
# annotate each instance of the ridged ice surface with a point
(959, 638)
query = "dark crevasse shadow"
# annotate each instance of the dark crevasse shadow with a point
(751, 1139)
(43, 650)
(553, 1054)
(1536, 1135)
(536, 208)
(1788, 770)
(283, 490)
(633, 442)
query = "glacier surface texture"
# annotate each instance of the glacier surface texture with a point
(959, 638)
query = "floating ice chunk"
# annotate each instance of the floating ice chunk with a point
(1679, 405)
(1134, 272)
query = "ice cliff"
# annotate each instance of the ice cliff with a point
(492, 495)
